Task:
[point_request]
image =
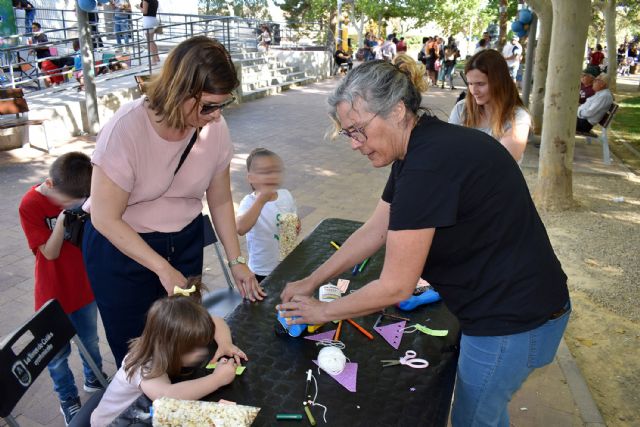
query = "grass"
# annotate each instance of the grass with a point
(626, 127)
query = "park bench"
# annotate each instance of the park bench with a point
(13, 103)
(604, 135)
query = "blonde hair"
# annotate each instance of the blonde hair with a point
(502, 91)
(174, 326)
(195, 66)
(414, 69)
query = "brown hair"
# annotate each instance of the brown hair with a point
(71, 174)
(197, 65)
(502, 90)
(257, 153)
(175, 325)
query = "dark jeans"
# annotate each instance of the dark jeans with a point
(583, 125)
(124, 289)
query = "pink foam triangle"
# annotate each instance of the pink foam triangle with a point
(346, 378)
(392, 333)
(321, 336)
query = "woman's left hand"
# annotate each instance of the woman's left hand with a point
(308, 310)
(247, 283)
(230, 350)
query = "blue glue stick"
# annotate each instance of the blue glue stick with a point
(293, 330)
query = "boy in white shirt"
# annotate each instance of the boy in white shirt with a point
(259, 211)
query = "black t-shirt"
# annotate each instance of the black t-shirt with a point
(490, 259)
(41, 52)
(152, 8)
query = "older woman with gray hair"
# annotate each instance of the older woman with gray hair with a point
(455, 211)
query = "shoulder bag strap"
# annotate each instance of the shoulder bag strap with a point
(186, 151)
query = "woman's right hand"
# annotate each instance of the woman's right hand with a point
(225, 371)
(170, 277)
(305, 287)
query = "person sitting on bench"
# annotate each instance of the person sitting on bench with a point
(343, 57)
(595, 107)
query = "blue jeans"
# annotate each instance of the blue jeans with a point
(84, 321)
(29, 17)
(491, 369)
(121, 23)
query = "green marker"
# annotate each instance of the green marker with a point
(289, 417)
(362, 265)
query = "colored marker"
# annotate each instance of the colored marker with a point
(289, 417)
(306, 387)
(355, 269)
(335, 245)
(309, 415)
(362, 265)
(361, 329)
(337, 336)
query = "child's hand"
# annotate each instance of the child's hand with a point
(230, 350)
(225, 371)
(265, 195)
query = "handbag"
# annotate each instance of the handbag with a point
(158, 29)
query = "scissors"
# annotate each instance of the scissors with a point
(409, 360)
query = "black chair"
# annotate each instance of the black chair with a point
(26, 353)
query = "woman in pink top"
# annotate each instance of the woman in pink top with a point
(146, 229)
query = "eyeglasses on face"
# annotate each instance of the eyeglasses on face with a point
(210, 108)
(357, 133)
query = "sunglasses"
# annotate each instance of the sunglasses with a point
(210, 108)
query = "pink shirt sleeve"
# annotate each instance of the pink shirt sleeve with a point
(115, 155)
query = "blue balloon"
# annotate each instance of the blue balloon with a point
(516, 27)
(103, 1)
(87, 5)
(521, 33)
(525, 16)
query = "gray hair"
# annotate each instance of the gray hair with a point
(380, 85)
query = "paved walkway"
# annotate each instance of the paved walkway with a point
(326, 178)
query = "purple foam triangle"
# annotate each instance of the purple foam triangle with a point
(392, 333)
(346, 378)
(321, 336)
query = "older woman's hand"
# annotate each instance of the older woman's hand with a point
(247, 284)
(304, 287)
(308, 310)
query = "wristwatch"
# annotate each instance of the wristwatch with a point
(238, 260)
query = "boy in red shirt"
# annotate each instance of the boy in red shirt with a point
(59, 270)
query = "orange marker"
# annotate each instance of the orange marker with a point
(337, 335)
(361, 329)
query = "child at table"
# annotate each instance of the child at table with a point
(259, 212)
(178, 334)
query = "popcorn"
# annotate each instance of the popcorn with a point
(192, 413)
(288, 227)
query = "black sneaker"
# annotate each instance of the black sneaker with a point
(93, 385)
(69, 409)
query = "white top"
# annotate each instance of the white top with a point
(262, 240)
(522, 117)
(596, 106)
(511, 49)
(388, 50)
(120, 394)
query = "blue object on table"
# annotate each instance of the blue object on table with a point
(426, 297)
(293, 330)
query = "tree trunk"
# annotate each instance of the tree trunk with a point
(612, 48)
(569, 31)
(359, 24)
(502, 35)
(545, 19)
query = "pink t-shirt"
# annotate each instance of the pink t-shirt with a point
(132, 154)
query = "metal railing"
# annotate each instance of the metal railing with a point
(129, 48)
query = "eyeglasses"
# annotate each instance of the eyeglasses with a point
(210, 108)
(358, 131)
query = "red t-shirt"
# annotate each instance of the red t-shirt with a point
(597, 57)
(64, 278)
